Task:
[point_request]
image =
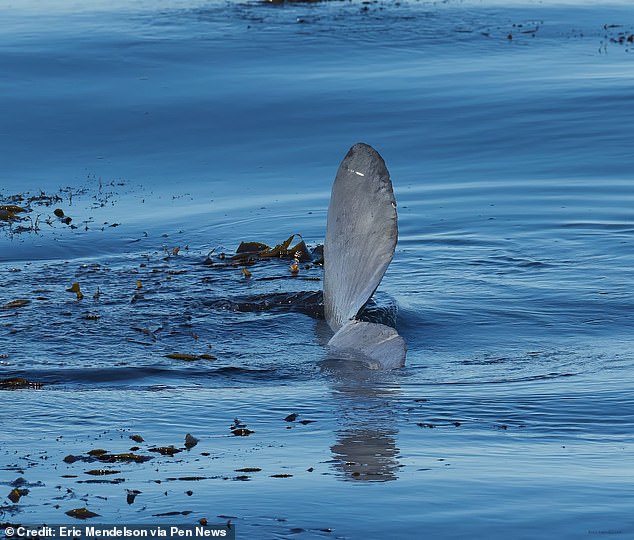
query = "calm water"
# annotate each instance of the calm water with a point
(507, 128)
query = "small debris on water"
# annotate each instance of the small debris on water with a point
(190, 441)
(131, 495)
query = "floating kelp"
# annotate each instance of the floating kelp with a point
(240, 429)
(14, 304)
(182, 356)
(13, 208)
(124, 457)
(190, 357)
(137, 438)
(283, 250)
(7, 216)
(299, 251)
(99, 454)
(16, 493)
(10, 212)
(165, 450)
(251, 247)
(242, 432)
(616, 33)
(280, 250)
(59, 213)
(81, 513)
(76, 289)
(70, 459)
(102, 481)
(15, 383)
(249, 470)
(41, 198)
(281, 475)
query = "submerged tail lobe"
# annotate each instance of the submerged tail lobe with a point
(361, 236)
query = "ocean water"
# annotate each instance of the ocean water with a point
(169, 130)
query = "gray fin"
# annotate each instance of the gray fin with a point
(376, 345)
(361, 234)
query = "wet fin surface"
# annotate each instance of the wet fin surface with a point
(375, 345)
(361, 234)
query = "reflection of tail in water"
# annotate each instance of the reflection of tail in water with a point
(361, 236)
(365, 450)
(367, 455)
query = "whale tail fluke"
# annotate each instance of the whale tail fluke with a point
(376, 345)
(361, 236)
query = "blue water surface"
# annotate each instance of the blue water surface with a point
(166, 130)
